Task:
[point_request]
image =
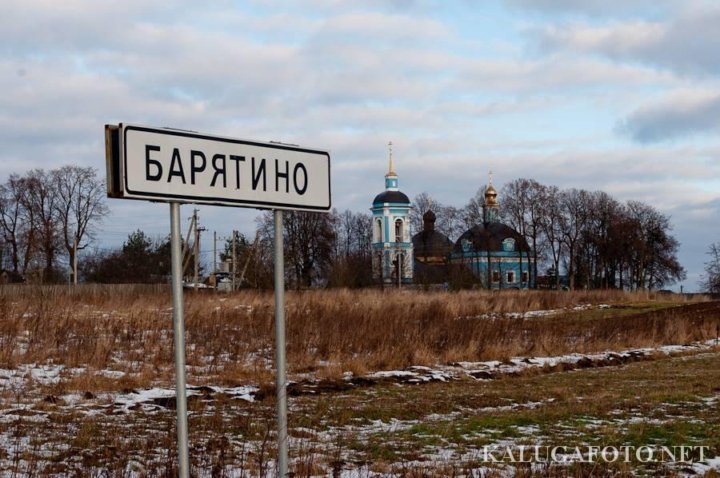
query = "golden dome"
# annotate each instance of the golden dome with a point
(490, 195)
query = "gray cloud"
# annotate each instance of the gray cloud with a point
(554, 73)
(334, 6)
(455, 102)
(32, 25)
(681, 114)
(75, 76)
(599, 7)
(686, 44)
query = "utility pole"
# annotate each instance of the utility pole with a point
(186, 255)
(234, 260)
(251, 253)
(75, 261)
(198, 230)
(196, 249)
(214, 281)
(214, 252)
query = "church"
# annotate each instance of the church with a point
(492, 253)
(392, 259)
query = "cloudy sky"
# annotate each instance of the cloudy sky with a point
(618, 96)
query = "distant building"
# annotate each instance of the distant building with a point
(498, 256)
(432, 252)
(392, 260)
(491, 253)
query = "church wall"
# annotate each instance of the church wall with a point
(383, 262)
(385, 246)
(502, 264)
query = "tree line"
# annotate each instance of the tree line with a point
(332, 250)
(579, 238)
(46, 217)
(585, 238)
(711, 278)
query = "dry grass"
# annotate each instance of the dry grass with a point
(230, 336)
(229, 341)
(662, 402)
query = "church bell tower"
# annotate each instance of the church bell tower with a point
(391, 240)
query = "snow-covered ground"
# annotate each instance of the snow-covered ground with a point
(532, 314)
(493, 368)
(29, 376)
(26, 380)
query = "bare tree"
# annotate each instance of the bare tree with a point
(362, 230)
(472, 213)
(422, 203)
(574, 208)
(601, 246)
(79, 205)
(711, 279)
(523, 205)
(12, 222)
(309, 244)
(351, 265)
(654, 251)
(449, 220)
(39, 201)
(550, 227)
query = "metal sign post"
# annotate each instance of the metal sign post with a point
(179, 337)
(280, 380)
(177, 166)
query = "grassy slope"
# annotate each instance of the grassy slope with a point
(394, 428)
(594, 406)
(387, 428)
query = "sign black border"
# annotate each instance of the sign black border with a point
(212, 200)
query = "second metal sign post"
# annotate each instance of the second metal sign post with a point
(167, 165)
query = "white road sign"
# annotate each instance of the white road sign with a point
(160, 164)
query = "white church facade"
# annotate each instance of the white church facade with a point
(392, 261)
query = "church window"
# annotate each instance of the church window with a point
(378, 231)
(524, 276)
(511, 277)
(508, 245)
(398, 230)
(496, 276)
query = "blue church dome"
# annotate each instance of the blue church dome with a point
(491, 237)
(395, 197)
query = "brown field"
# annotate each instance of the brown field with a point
(110, 342)
(129, 328)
